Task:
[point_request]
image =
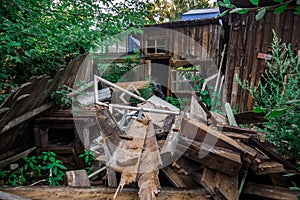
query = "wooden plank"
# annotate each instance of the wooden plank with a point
(17, 105)
(178, 180)
(249, 117)
(77, 178)
(15, 158)
(269, 192)
(219, 185)
(272, 154)
(46, 193)
(268, 167)
(215, 158)
(198, 131)
(29, 115)
(5, 195)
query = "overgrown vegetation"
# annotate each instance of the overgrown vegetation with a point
(279, 7)
(43, 168)
(89, 159)
(37, 37)
(278, 95)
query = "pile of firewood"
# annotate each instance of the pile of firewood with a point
(193, 149)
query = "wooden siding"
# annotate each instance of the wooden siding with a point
(249, 37)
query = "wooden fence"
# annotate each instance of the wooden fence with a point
(247, 39)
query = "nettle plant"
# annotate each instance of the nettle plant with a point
(279, 7)
(278, 95)
(89, 159)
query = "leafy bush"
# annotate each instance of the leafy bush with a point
(44, 164)
(278, 95)
(89, 159)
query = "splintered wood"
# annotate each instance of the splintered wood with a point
(137, 159)
(196, 150)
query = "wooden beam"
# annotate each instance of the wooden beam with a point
(19, 120)
(46, 193)
(270, 192)
(272, 154)
(202, 133)
(219, 185)
(212, 157)
(15, 158)
(5, 195)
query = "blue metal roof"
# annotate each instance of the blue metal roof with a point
(200, 14)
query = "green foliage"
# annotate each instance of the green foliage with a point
(38, 36)
(164, 10)
(277, 95)
(44, 164)
(280, 6)
(61, 96)
(180, 103)
(89, 159)
(3, 173)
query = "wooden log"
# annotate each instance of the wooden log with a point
(78, 178)
(46, 193)
(270, 192)
(219, 185)
(215, 158)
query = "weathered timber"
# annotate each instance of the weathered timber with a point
(15, 158)
(209, 115)
(8, 196)
(148, 182)
(205, 134)
(267, 167)
(46, 193)
(218, 159)
(178, 180)
(19, 120)
(270, 192)
(249, 117)
(219, 185)
(272, 154)
(78, 178)
(226, 128)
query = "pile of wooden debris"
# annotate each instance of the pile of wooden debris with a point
(192, 149)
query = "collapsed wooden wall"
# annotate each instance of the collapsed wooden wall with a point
(249, 37)
(29, 100)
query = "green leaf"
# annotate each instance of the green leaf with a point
(239, 10)
(220, 3)
(297, 8)
(278, 1)
(294, 188)
(52, 159)
(276, 113)
(260, 14)
(254, 2)
(280, 9)
(54, 170)
(227, 1)
(259, 110)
